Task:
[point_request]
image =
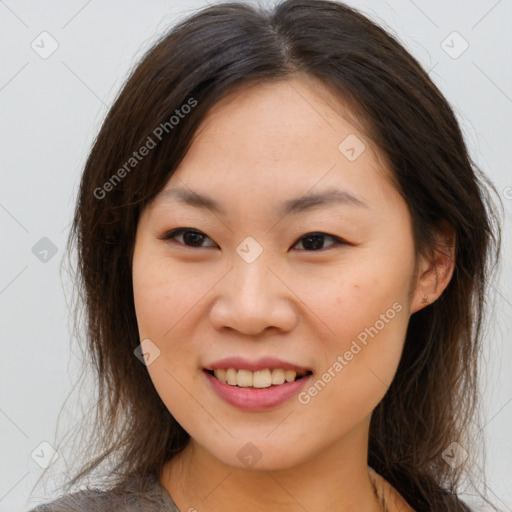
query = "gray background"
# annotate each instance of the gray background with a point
(51, 108)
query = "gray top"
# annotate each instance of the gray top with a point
(141, 493)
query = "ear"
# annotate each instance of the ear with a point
(435, 272)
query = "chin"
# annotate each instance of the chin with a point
(259, 456)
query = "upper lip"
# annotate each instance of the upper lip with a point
(241, 363)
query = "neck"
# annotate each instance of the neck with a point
(335, 479)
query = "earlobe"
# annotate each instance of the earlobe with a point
(435, 272)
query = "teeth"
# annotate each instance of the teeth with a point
(261, 379)
(258, 379)
(289, 375)
(244, 378)
(231, 377)
(221, 375)
(278, 376)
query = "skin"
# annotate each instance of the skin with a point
(257, 148)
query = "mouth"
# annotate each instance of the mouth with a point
(256, 385)
(259, 379)
(260, 390)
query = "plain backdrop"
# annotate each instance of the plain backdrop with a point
(51, 107)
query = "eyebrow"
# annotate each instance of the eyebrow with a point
(300, 204)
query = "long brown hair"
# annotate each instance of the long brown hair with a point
(432, 400)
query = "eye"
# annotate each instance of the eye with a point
(190, 237)
(314, 241)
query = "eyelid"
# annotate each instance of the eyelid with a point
(337, 240)
(169, 235)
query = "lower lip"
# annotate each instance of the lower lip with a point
(253, 399)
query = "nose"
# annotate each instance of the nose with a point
(252, 298)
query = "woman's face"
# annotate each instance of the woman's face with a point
(306, 262)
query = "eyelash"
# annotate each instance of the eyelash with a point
(179, 231)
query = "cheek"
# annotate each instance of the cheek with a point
(163, 296)
(168, 305)
(361, 364)
(163, 305)
(358, 301)
(366, 313)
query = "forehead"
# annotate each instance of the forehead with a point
(271, 141)
(280, 112)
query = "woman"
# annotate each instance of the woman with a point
(284, 249)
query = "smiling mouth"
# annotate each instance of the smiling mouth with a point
(258, 379)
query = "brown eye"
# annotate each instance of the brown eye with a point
(190, 237)
(315, 241)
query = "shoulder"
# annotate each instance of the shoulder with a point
(92, 500)
(136, 493)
